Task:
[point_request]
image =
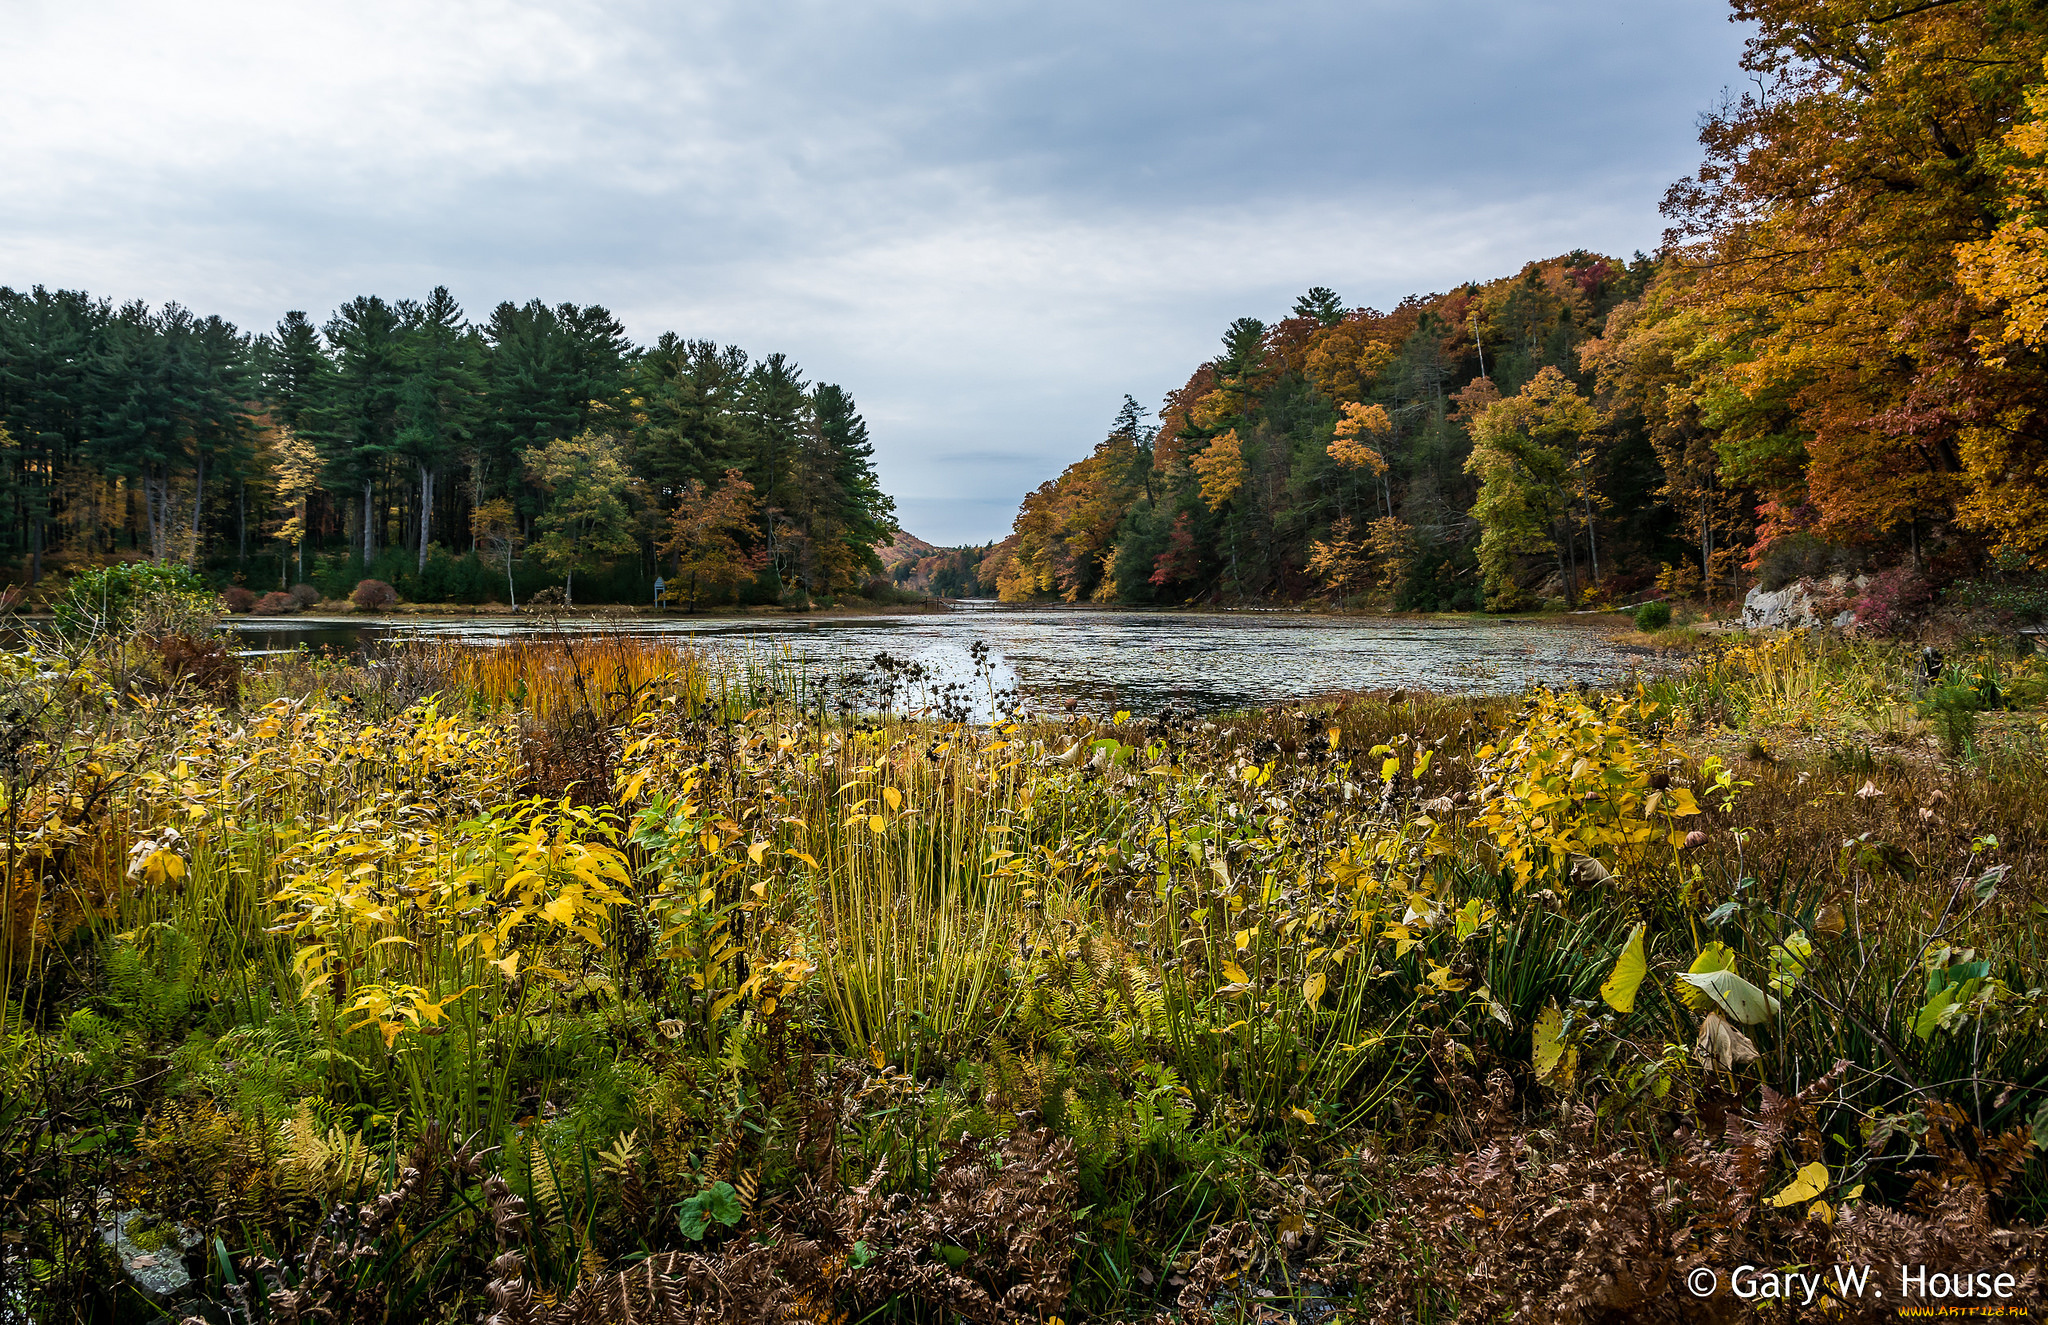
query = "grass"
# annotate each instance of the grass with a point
(593, 965)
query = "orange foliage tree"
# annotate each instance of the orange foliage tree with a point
(704, 534)
(1822, 230)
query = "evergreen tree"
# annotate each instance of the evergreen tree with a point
(365, 336)
(440, 397)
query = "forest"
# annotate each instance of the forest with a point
(400, 441)
(1831, 365)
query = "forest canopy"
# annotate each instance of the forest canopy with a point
(1834, 362)
(461, 460)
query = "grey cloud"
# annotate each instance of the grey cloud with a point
(988, 221)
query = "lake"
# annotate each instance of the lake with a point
(1101, 660)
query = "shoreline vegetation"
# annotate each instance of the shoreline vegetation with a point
(583, 977)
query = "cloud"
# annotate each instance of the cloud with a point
(987, 221)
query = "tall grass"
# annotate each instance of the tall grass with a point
(673, 929)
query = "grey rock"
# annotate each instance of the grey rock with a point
(158, 1270)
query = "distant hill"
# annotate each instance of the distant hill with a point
(905, 547)
(945, 572)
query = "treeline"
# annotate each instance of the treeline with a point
(463, 460)
(1835, 363)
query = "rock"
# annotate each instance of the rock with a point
(1789, 608)
(153, 1253)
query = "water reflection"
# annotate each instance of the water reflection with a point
(1101, 660)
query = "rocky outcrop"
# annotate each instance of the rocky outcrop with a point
(1801, 604)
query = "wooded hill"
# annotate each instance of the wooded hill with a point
(1834, 363)
(460, 460)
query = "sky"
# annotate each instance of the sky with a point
(988, 221)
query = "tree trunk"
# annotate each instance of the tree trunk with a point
(198, 504)
(369, 523)
(426, 511)
(511, 593)
(1592, 541)
(569, 588)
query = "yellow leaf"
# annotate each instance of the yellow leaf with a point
(1811, 1182)
(1555, 1060)
(1312, 988)
(561, 910)
(1629, 969)
(1303, 1116)
(509, 964)
(1235, 974)
(755, 851)
(894, 797)
(1389, 767)
(876, 823)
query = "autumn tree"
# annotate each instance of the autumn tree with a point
(295, 470)
(588, 519)
(1823, 228)
(1647, 366)
(704, 537)
(1526, 453)
(2006, 457)
(495, 528)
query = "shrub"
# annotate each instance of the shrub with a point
(237, 598)
(275, 603)
(1892, 601)
(305, 595)
(206, 664)
(1679, 580)
(110, 599)
(373, 595)
(1653, 616)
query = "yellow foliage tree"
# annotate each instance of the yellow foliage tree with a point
(1350, 449)
(1221, 467)
(2006, 466)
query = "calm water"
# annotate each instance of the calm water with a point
(1102, 660)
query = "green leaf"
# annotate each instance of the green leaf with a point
(1713, 957)
(953, 1256)
(1735, 996)
(1932, 1010)
(718, 1201)
(1627, 976)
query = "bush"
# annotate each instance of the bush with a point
(110, 599)
(237, 598)
(275, 603)
(305, 595)
(373, 595)
(1679, 580)
(1653, 616)
(1892, 601)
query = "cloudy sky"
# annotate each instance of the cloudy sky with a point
(986, 220)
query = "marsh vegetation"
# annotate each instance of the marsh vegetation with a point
(585, 978)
